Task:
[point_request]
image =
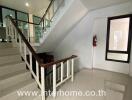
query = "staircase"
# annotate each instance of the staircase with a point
(16, 56)
(18, 59)
(13, 74)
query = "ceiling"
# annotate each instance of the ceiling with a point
(36, 7)
(96, 4)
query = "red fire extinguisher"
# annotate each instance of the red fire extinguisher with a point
(94, 41)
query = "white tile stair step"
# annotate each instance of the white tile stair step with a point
(4, 70)
(10, 59)
(6, 45)
(11, 63)
(11, 93)
(9, 51)
(38, 98)
(32, 97)
(11, 80)
(12, 74)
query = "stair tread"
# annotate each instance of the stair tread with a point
(11, 63)
(12, 74)
(10, 55)
(17, 53)
(9, 51)
(10, 58)
(16, 87)
(36, 97)
(7, 48)
(5, 45)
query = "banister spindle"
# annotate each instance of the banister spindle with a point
(20, 44)
(68, 68)
(62, 71)
(30, 57)
(54, 80)
(25, 52)
(72, 70)
(9, 28)
(6, 29)
(43, 83)
(9, 31)
(37, 71)
(12, 32)
(16, 36)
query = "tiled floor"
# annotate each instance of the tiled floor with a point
(117, 86)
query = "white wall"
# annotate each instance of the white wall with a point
(79, 40)
(64, 20)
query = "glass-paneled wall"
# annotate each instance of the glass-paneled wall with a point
(24, 26)
(6, 12)
(37, 28)
(15, 14)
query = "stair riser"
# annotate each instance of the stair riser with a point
(5, 45)
(14, 95)
(4, 70)
(37, 98)
(9, 59)
(12, 81)
(10, 51)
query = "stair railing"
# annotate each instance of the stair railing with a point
(46, 20)
(17, 37)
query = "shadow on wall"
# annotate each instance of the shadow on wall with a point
(76, 66)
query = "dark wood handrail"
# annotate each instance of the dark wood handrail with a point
(59, 61)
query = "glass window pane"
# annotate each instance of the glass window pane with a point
(6, 12)
(116, 56)
(22, 16)
(23, 25)
(119, 31)
(37, 28)
(36, 19)
(24, 28)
